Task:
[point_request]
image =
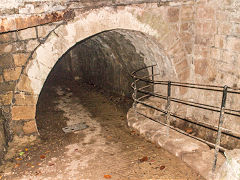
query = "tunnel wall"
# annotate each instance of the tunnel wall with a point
(108, 59)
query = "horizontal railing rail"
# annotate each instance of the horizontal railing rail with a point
(145, 93)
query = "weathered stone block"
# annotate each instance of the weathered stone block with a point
(29, 33)
(186, 37)
(186, 26)
(233, 44)
(215, 53)
(6, 99)
(224, 28)
(23, 112)
(5, 48)
(7, 86)
(32, 44)
(12, 74)
(220, 41)
(206, 40)
(6, 61)
(201, 66)
(24, 84)
(8, 37)
(23, 99)
(30, 127)
(209, 28)
(187, 13)
(173, 14)
(181, 66)
(184, 75)
(20, 59)
(43, 31)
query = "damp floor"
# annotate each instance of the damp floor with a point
(106, 149)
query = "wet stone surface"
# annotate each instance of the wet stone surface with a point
(106, 149)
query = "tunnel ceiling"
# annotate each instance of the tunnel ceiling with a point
(108, 59)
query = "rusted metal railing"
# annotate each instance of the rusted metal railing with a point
(151, 82)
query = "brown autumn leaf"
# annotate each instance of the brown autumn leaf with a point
(162, 167)
(107, 176)
(42, 156)
(51, 164)
(29, 165)
(145, 158)
(189, 130)
(17, 165)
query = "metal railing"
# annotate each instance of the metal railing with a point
(151, 82)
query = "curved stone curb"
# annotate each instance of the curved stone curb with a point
(196, 154)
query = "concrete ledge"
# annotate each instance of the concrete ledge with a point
(196, 154)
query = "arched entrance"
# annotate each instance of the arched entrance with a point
(58, 42)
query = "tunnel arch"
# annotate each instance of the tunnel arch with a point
(64, 37)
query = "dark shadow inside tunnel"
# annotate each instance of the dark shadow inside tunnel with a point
(104, 62)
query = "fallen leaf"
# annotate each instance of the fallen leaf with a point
(50, 164)
(145, 158)
(21, 153)
(162, 167)
(17, 165)
(189, 130)
(37, 173)
(1, 177)
(107, 176)
(29, 165)
(26, 149)
(18, 159)
(42, 156)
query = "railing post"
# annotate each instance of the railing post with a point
(168, 106)
(220, 123)
(152, 74)
(135, 93)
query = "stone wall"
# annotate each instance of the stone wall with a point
(199, 40)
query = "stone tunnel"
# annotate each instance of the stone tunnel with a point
(102, 42)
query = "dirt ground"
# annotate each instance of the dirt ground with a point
(107, 149)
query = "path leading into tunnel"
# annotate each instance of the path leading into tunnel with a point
(107, 149)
